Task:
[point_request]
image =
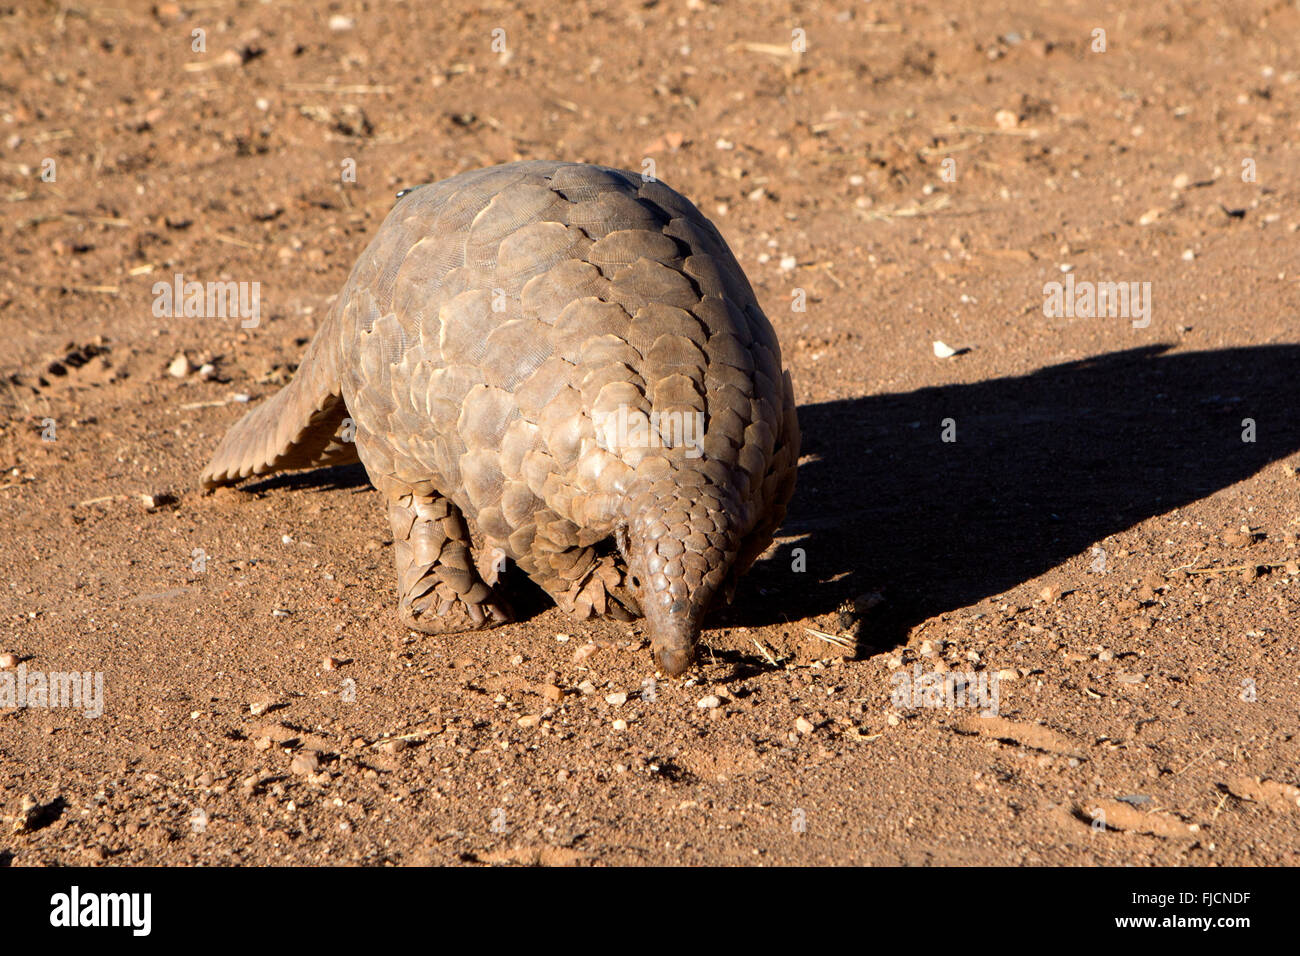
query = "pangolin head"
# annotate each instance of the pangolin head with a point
(679, 548)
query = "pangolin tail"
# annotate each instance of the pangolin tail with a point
(301, 426)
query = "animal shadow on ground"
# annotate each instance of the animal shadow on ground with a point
(340, 477)
(1044, 467)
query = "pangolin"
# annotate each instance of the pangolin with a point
(555, 364)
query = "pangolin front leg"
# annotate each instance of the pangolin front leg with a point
(586, 584)
(440, 591)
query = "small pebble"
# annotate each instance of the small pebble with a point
(330, 663)
(620, 724)
(710, 702)
(305, 763)
(552, 693)
(804, 725)
(529, 720)
(618, 699)
(585, 651)
(180, 366)
(8, 660)
(28, 812)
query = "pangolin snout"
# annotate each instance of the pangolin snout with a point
(677, 650)
(673, 634)
(674, 661)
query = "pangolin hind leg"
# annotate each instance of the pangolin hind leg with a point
(440, 589)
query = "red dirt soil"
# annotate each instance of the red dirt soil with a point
(1068, 542)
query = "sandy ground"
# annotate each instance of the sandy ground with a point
(1097, 518)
